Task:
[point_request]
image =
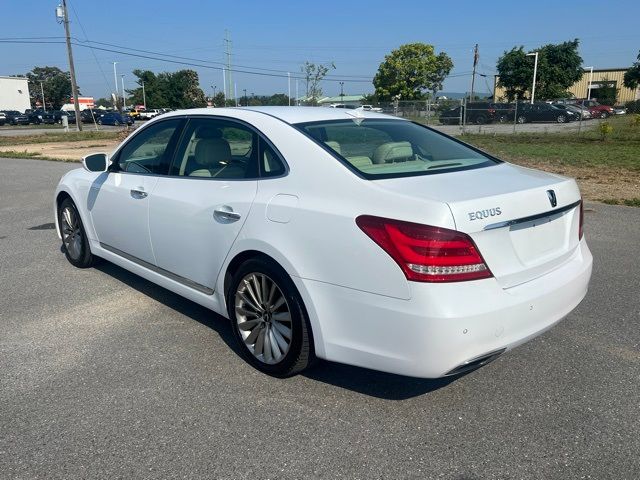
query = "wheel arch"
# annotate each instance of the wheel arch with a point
(241, 256)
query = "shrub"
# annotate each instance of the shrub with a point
(635, 120)
(605, 130)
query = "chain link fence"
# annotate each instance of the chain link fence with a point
(486, 117)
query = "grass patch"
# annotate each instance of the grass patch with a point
(629, 202)
(60, 137)
(31, 155)
(620, 150)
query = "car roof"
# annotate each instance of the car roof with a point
(290, 114)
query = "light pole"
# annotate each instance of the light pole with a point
(124, 101)
(535, 72)
(115, 81)
(44, 104)
(144, 96)
(590, 81)
(341, 92)
(246, 100)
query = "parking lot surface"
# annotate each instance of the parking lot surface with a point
(105, 375)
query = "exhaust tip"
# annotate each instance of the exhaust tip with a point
(475, 363)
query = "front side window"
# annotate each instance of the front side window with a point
(150, 150)
(393, 148)
(216, 148)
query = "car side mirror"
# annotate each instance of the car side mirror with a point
(96, 162)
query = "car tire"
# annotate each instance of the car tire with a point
(522, 119)
(561, 119)
(481, 120)
(264, 307)
(604, 115)
(99, 122)
(75, 243)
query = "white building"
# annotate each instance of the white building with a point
(14, 94)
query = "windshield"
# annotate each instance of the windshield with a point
(393, 148)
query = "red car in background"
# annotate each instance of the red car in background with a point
(597, 110)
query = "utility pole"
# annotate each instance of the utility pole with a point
(224, 86)
(115, 83)
(72, 70)
(44, 104)
(473, 75)
(144, 96)
(341, 92)
(124, 102)
(246, 100)
(535, 73)
(227, 43)
(289, 84)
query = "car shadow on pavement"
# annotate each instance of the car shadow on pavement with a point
(367, 382)
(387, 386)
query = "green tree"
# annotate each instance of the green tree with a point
(559, 67)
(104, 102)
(410, 71)
(168, 89)
(218, 100)
(313, 75)
(56, 85)
(632, 76)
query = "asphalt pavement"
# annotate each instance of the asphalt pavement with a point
(105, 375)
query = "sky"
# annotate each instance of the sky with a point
(274, 37)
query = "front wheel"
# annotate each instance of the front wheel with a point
(75, 243)
(561, 119)
(604, 115)
(522, 119)
(269, 320)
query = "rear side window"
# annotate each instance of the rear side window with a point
(377, 148)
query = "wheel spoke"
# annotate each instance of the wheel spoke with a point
(282, 316)
(272, 291)
(249, 302)
(268, 357)
(275, 347)
(258, 347)
(244, 312)
(285, 331)
(282, 343)
(253, 336)
(281, 301)
(249, 324)
(249, 289)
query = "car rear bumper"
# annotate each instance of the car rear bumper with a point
(442, 327)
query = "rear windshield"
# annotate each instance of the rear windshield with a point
(377, 148)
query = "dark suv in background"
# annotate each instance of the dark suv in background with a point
(477, 112)
(14, 117)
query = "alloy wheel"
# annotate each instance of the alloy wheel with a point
(71, 232)
(263, 317)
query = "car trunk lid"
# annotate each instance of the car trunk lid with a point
(524, 222)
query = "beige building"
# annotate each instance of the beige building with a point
(613, 76)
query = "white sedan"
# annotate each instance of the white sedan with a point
(338, 234)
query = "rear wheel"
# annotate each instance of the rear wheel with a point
(604, 115)
(481, 120)
(522, 119)
(561, 119)
(74, 238)
(269, 320)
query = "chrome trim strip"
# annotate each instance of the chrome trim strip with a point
(530, 218)
(161, 271)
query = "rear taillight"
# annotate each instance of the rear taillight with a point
(581, 227)
(426, 253)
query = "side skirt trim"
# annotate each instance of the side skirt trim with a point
(161, 271)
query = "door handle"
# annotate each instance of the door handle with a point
(225, 212)
(138, 192)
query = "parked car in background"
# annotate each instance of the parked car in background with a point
(132, 112)
(476, 112)
(3, 118)
(112, 118)
(149, 114)
(343, 105)
(619, 110)
(58, 114)
(370, 108)
(597, 110)
(14, 117)
(425, 257)
(504, 112)
(577, 109)
(543, 112)
(91, 115)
